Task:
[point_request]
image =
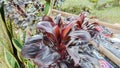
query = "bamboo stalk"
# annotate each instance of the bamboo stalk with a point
(65, 14)
(107, 53)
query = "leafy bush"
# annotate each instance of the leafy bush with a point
(62, 44)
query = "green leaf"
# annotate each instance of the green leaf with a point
(10, 60)
(9, 26)
(4, 37)
(30, 65)
(24, 36)
(2, 12)
(47, 8)
(3, 19)
(17, 44)
(20, 57)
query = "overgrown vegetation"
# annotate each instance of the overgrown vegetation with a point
(57, 41)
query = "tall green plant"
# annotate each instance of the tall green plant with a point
(12, 55)
(47, 7)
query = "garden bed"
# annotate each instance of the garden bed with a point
(63, 41)
(101, 48)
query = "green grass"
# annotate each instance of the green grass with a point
(75, 6)
(111, 14)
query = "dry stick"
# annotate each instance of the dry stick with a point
(107, 53)
(103, 50)
(93, 20)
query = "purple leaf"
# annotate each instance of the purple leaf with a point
(46, 57)
(31, 47)
(49, 19)
(45, 26)
(80, 34)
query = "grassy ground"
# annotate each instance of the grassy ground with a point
(111, 14)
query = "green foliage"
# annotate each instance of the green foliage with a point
(101, 2)
(86, 5)
(15, 41)
(47, 7)
(17, 44)
(24, 36)
(102, 9)
(10, 60)
(93, 1)
(75, 6)
(5, 38)
(111, 15)
(30, 65)
(12, 49)
(2, 12)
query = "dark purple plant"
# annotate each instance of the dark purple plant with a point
(57, 44)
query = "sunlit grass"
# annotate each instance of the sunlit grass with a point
(75, 6)
(111, 14)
